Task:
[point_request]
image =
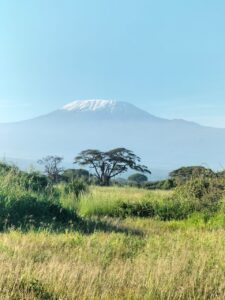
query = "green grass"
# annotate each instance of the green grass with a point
(110, 253)
(126, 201)
(107, 201)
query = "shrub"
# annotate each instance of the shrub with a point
(11, 176)
(171, 209)
(76, 187)
(24, 210)
(184, 174)
(5, 168)
(166, 184)
(135, 209)
(34, 182)
(71, 174)
(203, 194)
(138, 178)
(163, 209)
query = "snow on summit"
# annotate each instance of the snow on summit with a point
(110, 108)
(90, 105)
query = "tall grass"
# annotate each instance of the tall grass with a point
(24, 207)
(124, 202)
(194, 196)
(109, 257)
(170, 263)
(111, 201)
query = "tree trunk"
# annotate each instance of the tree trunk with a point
(105, 180)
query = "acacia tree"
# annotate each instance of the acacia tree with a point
(52, 167)
(107, 165)
(138, 178)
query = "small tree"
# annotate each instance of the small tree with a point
(107, 165)
(185, 173)
(52, 167)
(70, 174)
(76, 187)
(138, 178)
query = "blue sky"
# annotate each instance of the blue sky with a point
(167, 57)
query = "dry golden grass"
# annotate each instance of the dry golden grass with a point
(166, 263)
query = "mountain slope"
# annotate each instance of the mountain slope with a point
(104, 124)
(99, 110)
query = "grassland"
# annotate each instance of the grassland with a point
(103, 201)
(118, 258)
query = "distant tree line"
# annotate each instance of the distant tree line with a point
(107, 166)
(31, 198)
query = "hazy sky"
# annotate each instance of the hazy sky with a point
(167, 57)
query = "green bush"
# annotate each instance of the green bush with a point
(163, 209)
(185, 174)
(202, 194)
(13, 177)
(27, 199)
(166, 184)
(71, 174)
(35, 182)
(5, 168)
(138, 178)
(24, 210)
(76, 187)
(135, 209)
(171, 209)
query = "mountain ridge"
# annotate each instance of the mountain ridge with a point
(161, 143)
(102, 107)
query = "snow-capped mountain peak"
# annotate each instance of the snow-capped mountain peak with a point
(90, 105)
(107, 109)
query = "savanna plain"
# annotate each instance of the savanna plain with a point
(117, 242)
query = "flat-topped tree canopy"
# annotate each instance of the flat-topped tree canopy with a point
(109, 164)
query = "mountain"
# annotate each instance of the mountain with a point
(104, 124)
(102, 110)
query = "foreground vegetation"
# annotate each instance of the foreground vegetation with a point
(172, 260)
(73, 241)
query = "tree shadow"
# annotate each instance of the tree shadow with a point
(84, 226)
(36, 215)
(87, 226)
